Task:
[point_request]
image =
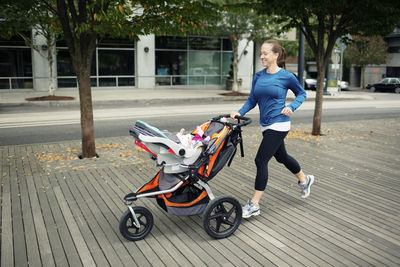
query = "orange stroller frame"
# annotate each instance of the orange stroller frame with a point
(181, 186)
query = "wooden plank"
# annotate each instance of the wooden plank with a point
(20, 257)
(71, 254)
(113, 251)
(40, 227)
(83, 235)
(111, 212)
(32, 247)
(137, 257)
(82, 248)
(7, 251)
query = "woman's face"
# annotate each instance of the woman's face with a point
(268, 57)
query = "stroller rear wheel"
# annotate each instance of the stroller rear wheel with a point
(128, 227)
(222, 217)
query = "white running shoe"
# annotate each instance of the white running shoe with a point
(250, 209)
(306, 187)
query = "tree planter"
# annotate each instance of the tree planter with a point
(229, 84)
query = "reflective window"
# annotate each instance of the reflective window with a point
(171, 42)
(171, 63)
(204, 63)
(204, 43)
(16, 62)
(116, 43)
(65, 69)
(192, 60)
(117, 63)
(114, 62)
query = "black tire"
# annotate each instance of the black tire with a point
(222, 217)
(372, 89)
(129, 230)
(397, 90)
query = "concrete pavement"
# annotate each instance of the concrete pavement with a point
(148, 96)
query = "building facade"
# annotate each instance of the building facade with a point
(375, 73)
(154, 61)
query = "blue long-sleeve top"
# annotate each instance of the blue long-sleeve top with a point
(269, 92)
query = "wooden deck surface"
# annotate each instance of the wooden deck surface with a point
(57, 210)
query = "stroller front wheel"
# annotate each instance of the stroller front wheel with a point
(222, 217)
(128, 227)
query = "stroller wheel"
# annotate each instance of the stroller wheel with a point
(222, 217)
(127, 225)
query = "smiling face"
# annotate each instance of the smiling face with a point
(268, 57)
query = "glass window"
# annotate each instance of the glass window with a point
(116, 62)
(204, 63)
(67, 82)
(171, 63)
(65, 67)
(226, 62)
(64, 64)
(171, 42)
(226, 44)
(204, 43)
(117, 43)
(15, 62)
(15, 40)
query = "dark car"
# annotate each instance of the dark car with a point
(387, 84)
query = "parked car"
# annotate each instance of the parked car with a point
(387, 84)
(311, 84)
(343, 85)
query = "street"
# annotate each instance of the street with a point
(51, 124)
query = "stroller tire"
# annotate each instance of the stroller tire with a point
(222, 217)
(128, 228)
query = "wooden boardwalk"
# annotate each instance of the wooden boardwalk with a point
(59, 211)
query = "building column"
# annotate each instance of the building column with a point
(245, 66)
(145, 62)
(40, 65)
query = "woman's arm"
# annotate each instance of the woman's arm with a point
(298, 91)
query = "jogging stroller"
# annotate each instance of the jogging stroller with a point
(181, 185)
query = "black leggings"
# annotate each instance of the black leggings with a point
(272, 144)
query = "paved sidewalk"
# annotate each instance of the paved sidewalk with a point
(59, 210)
(149, 96)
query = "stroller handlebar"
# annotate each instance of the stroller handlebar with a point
(246, 120)
(242, 121)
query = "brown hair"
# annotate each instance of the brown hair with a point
(278, 48)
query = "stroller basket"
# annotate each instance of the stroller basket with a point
(187, 200)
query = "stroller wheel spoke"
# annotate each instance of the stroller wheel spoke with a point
(229, 213)
(228, 222)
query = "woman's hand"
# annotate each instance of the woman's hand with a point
(234, 113)
(287, 111)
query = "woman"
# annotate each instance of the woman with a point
(269, 91)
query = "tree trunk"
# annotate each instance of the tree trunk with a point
(235, 85)
(50, 59)
(321, 68)
(87, 125)
(362, 77)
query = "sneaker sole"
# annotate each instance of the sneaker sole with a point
(309, 188)
(253, 214)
